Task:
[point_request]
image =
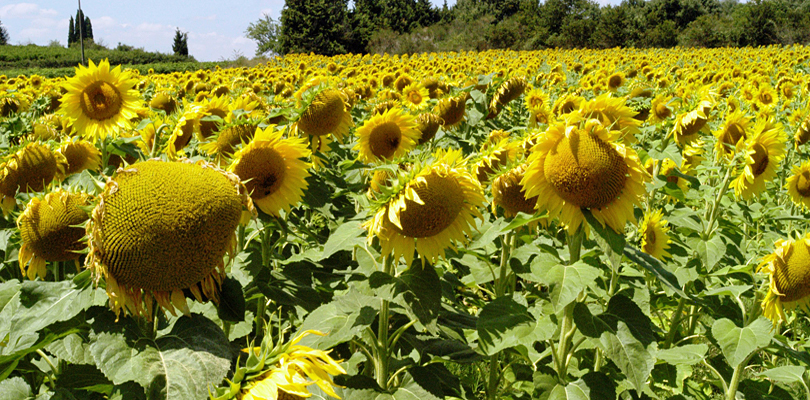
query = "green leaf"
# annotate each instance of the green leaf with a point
(615, 240)
(689, 354)
(73, 349)
(733, 290)
(232, 301)
(345, 237)
(569, 281)
(502, 323)
(656, 267)
(418, 290)
(497, 228)
(341, 319)
(624, 309)
(14, 389)
(522, 219)
(632, 358)
(592, 386)
(568, 392)
(180, 364)
(785, 374)
(589, 324)
(711, 251)
(738, 343)
(671, 151)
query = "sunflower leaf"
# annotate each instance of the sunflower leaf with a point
(655, 266)
(569, 281)
(684, 355)
(418, 290)
(615, 240)
(592, 386)
(502, 323)
(15, 388)
(634, 359)
(785, 374)
(738, 343)
(345, 237)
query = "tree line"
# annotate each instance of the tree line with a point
(405, 26)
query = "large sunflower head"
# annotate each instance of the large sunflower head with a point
(427, 124)
(798, 185)
(653, 231)
(509, 194)
(326, 114)
(35, 166)
(386, 136)
(731, 137)
(614, 114)
(163, 227)
(100, 101)
(764, 150)
(428, 208)
(80, 155)
(688, 125)
(49, 232)
(273, 170)
(509, 90)
(451, 110)
(789, 270)
(579, 165)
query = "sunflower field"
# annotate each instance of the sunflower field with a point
(557, 224)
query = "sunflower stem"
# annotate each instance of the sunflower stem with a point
(51, 380)
(715, 210)
(383, 348)
(567, 329)
(501, 286)
(261, 304)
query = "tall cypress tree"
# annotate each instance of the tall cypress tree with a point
(88, 28)
(71, 33)
(316, 26)
(80, 31)
(180, 45)
(3, 34)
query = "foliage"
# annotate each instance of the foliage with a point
(3, 35)
(313, 26)
(265, 32)
(33, 56)
(180, 44)
(79, 28)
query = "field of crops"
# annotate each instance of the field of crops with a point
(559, 224)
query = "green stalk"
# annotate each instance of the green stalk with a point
(567, 327)
(715, 210)
(383, 349)
(501, 289)
(261, 305)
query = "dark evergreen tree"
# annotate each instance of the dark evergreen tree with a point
(88, 28)
(316, 26)
(180, 45)
(400, 15)
(364, 20)
(80, 30)
(3, 35)
(71, 32)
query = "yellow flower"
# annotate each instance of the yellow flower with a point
(613, 113)
(508, 193)
(416, 96)
(30, 169)
(228, 138)
(688, 125)
(509, 90)
(100, 101)
(80, 155)
(184, 130)
(731, 137)
(536, 99)
(430, 211)
(577, 165)
(802, 135)
(764, 150)
(216, 107)
(326, 114)
(789, 270)
(615, 81)
(566, 104)
(451, 110)
(427, 124)
(272, 169)
(798, 185)
(659, 109)
(386, 136)
(654, 238)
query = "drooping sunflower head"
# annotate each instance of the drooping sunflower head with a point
(614, 114)
(427, 124)
(802, 135)
(493, 157)
(579, 164)
(35, 166)
(228, 138)
(80, 155)
(273, 170)
(386, 136)
(789, 270)
(184, 130)
(326, 114)
(163, 227)
(163, 101)
(509, 194)
(798, 185)
(764, 150)
(451, 110)
(688, 125)
(659, 109)
(653, 231)
(49, 232)
(428, 208)
(731, 137)
(100, 101)
(509, 90)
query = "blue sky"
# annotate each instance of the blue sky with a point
(215, 28)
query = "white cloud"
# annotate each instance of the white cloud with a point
(25, 11)
(104, 22)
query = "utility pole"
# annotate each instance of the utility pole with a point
(81, 33)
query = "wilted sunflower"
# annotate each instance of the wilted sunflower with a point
(731, 137)
(162, 227)
(428, 209)
(451, 110)
(509, 90)
(508, 193)
(326, 114)
(80, 155)
(653, 231)
(580, 165)
(100, 101)
(764, 150)
(688, 125)
(49, 232)
(798, 185)
(427, 124)
(272, 169)
(789, 270)
(386, 136)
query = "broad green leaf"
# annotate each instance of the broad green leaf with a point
(655, 266)
(627, 311)
(418, 290)
(671, 151)
(785, 374)
(614, 239)
(592, 386)
(73, 349)
(345, 237)
(711, 251)
(733, 290)
(632, 358)
(569, 281)
(502, 323)
(568, 392)
(522, 219)
(589, 324)
(180, 364)
(488, 236)
(689, 354)
(738, 343)
(341, 319)
(14, 389)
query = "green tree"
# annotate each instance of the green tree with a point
(313, 26)
(3, 35)
(88, 28)
(265, 33)
(180, 45)
(364, 20)
(71, 32)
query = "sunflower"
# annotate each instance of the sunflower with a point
(766, 96)
(451, 110)
(163, 101)
(613, 113)
(326, 114)
(509, 90)
(653, 232)
(80, 155)
(272, 169)
(386, 136)
(566, 104)
(32, 168)
(615, 81)
(427, 124)
(789, 270)
(688, 125)
(228, 138)
(802, 135)
(100, 101)
(492, 157)
(798, 185)
(659, 109)
(764, 150)
(184, 130)
(49, 232)
(216, 107)
(731, 137)
(579, 164)
(163, 227)
(508, 193)
(536, 99)
(428, 209)
(416, 96)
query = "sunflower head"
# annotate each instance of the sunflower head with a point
(326, 114)
(615, 81)
(659, 109)
(273, 170)
(163, 101)
(228, 138)
(451, 110)
(653, 231)
(80, 155)
(184, 130)
(493, 157)
(509, 90)
(789, 270)
(798, 185)
(613, 113)
(49, 232)
(764, 150)
(732, 136)
(428, 208)
(35, 166)
(147, 255)
(386, 136)
(100, 100)
(427, 124)
(508, 193)
(688, 125)
(802, 135)
(567, 104)
(415, 96)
